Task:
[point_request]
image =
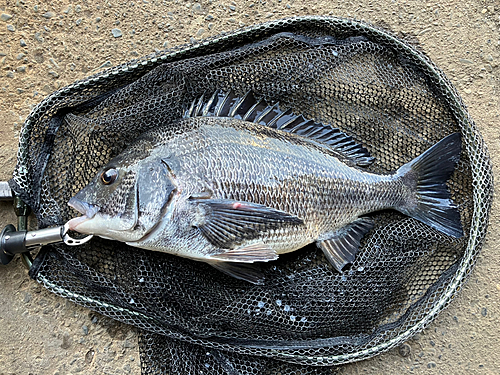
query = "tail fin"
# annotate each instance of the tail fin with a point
(426, 176)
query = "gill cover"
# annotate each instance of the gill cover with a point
(155, 187)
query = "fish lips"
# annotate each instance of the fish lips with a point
(88, 210)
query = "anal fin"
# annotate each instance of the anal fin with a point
(342, 246)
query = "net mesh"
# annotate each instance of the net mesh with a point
(385, 93)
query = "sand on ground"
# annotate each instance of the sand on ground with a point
(45, 47)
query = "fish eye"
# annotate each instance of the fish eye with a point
(109, 176)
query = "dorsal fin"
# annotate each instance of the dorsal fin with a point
(247, 108)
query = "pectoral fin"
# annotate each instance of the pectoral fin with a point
(341, 247)
(227, 223)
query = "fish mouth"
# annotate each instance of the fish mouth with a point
(88, 210)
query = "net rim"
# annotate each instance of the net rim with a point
(482, 184)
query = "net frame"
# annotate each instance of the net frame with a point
(26, 177)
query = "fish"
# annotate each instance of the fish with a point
(237, 181)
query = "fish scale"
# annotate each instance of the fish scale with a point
(327, 186)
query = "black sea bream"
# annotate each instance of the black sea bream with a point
(237, 181)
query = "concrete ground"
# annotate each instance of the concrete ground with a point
(45, 47)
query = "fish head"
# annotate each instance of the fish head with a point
(125, 200)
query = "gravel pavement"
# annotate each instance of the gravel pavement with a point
(45, 47)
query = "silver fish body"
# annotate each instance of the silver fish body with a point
(228, 191)
(227, 159)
